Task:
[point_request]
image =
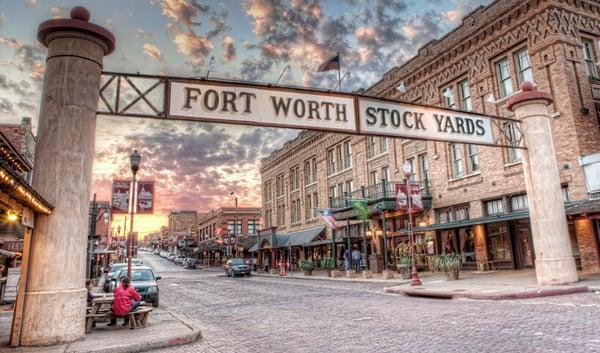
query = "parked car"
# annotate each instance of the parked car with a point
(164, 254)
(171, 257)
(178, 260)
(144, 282)
(110, 278)
(156, 251)
(191, 264)
(235, 267)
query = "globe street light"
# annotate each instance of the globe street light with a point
(134, 160)
(414, 281)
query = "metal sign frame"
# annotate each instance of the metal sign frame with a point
(115, 106)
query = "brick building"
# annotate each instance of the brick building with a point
(21, 137)
(477, 205)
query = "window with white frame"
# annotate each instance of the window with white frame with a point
(457, 160)
(494, 206)
(338, 158)
(294, 178)
(503, 77)
(448, 97)
(279, 185)
(332, 192)
(385, 173)
(424, 167)
(373, 177)
(519, 202)
(473, 158)
(347, 154)
(315, 204)
(349, 186)
(565, 193)
(465, 96)
(340, 191)
(371, 146)
(590, 58)
(331, 162)
(383, 144)
(523, 65)
(513, 135)
(252, 226)
(307, 173)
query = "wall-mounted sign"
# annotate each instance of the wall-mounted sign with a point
(278, 107)
(120, 196)
(27, 218)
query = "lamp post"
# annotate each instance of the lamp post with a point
(384, 226)
(94, 218)
(134, 160)
(234, 221)
(414, 280)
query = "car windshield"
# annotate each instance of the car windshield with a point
(141, 275)
(237, 262)
(117, 268)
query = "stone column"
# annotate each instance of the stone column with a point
(55, 297)
(481, 252)
(554, 263)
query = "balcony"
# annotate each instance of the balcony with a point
(383, 191)
(594, 195)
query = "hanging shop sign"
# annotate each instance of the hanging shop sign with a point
(120, 196)
(402, 197)
(145, 197)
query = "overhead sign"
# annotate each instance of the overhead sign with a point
(402, 197)
(421, 122)
(278, 107)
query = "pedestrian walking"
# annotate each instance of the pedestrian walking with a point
(255, 264)
(347, 260)
(356, 257)
(266, 263)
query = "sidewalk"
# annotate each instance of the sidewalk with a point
(165, 329)
(322, 276)
(493, 285)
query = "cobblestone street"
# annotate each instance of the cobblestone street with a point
(261, 314)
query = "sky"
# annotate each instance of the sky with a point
(197, 165)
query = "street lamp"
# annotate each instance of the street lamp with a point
(234, 221)
(414, 281)
(134, 160)
(385, 241)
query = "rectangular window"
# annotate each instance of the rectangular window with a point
(424, 167)
(371, 146)
(232, 231)
(465, 96)
(293, 212)
(590, 58)
(279, 185)
(383, 144)
(314, 170)
(331, 162)
(513, 135)
(565, 193)
(524, 71)
(373, 177)
(349, 186)
(294, 179)
(340, 190)
(413, 169)
(504, 80)
(456, 158)
(338, 158)
(494, 206)
(308, 211)
(385, 173)
(519, 202)
(307, 173)
(253, 227)
(267, 193)
(473, 158)
(332, 193)
(315, 204)
(461, 213)
(448, 98)
(347, 155)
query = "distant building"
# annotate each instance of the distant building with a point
(22, 139)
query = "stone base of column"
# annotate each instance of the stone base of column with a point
(388, 274)
(350, 273)
(51, 323)
(336, 273)
(557, 271)
(367, 274)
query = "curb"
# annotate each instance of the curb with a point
(356, 280)
(527, 294)
(178, 340)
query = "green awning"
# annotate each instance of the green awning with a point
(469, 222)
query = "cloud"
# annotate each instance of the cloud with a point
(183, 12)
(6, 106)
(21, 89)
(108, 23)
(30, 58)
(194, 46)
(153, 52)
(228, 49)
(139, 32)
(60, 12)
(30, 3)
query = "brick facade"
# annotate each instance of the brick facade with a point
(220, 218)
(546, 35)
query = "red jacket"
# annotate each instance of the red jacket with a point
(124, 299)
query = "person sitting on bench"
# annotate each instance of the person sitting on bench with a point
(127, 299)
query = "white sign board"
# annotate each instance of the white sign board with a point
(420, 122)
(277, 107)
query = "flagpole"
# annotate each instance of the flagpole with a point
(339, 71)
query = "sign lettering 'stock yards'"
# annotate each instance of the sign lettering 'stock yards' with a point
(281, 107)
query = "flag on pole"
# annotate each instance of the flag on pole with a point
(329, 219)
(331, 64)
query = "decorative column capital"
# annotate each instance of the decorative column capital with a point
(528, 94)
(77, 23)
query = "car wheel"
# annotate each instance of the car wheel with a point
(155, 302)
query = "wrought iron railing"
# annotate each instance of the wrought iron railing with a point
(373, 192)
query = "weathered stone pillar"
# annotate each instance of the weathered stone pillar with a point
(55, 297)
(554, 263)
(481, 252)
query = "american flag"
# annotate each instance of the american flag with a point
(329, 219)
(331, 64)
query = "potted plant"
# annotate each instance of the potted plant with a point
(449, 263)
(307, 266)
(404, 265)
(328, 264)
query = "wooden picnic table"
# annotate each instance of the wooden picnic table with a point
(101, 311)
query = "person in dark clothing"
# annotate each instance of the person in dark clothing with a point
(89, 287)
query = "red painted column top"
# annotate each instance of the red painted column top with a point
(528, 94)
(79, 22)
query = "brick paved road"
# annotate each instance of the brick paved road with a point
(293, 315)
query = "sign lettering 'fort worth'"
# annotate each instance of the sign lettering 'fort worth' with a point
(308, 109)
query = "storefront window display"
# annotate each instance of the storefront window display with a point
(499, 245)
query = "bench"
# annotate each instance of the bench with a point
(139, 317)
(101, 311)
